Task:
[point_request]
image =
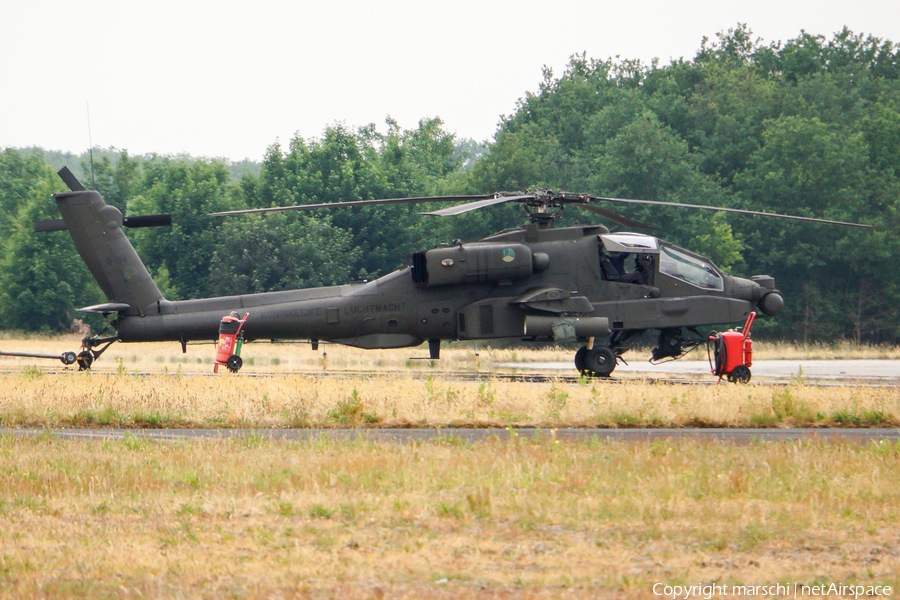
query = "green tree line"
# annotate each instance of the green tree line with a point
(810, 127)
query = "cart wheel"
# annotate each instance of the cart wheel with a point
(85, 359)
(740, 374)
(69, 358)
(601, 361)
(234, 363)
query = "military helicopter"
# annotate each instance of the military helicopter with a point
(537, 283)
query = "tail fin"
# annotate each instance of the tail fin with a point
(96, 229)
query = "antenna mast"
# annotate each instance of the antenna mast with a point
(91, 142)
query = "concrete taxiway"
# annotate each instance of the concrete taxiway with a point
(731, 436)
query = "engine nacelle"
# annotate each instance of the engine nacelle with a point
(476, 263)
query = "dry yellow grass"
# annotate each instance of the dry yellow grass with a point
(292, 394)
(249, 518)
(34, 399)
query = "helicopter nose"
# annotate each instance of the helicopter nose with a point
(771, 304)
(770, 301)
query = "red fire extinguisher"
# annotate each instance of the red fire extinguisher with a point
(228, 348)
(731, 352)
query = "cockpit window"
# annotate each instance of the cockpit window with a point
(691, 269)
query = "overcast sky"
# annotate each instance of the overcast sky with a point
(224, 78)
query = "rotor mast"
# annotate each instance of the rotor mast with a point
(540, 204)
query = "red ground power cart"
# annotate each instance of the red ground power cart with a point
(731, 352)
(228, 348)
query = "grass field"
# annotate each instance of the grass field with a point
(250, 518)
(31, 398)
(253, 518)
(119, 392)
(77, 400)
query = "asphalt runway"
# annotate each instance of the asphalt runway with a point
(730, 436)
(826, 373)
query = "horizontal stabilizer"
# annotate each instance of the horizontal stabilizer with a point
(50, 225)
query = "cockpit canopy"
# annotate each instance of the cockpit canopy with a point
(696, 271)
(637, 243)
(673, 261)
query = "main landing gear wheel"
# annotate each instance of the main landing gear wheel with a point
(579, 360)
(234, 363)
(740, 374)
(599, 361)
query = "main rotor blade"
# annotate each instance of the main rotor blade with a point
(732, 210)
(163, 220)
(615, 217)
(349, 204)
(464, 208)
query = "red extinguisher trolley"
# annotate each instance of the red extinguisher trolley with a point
(731, 352)
(231, 340)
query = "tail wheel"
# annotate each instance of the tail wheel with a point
(601, 361)
(234, 363)
(85, 359)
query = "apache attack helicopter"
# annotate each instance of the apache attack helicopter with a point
(536, 283)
